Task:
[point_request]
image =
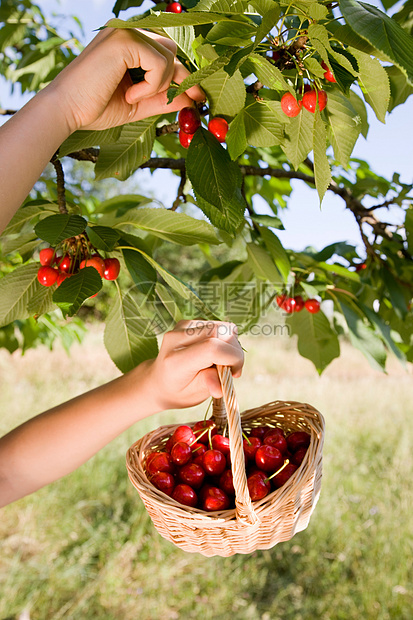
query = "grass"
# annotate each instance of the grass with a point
(85, 548)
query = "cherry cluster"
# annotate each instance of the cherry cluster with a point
(291, 107)
(194, 466)
(189, 120)
(297, 303)
(56, 268)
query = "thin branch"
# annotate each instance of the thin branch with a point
(7, 112)
(165, 129)
(60, 183)
(180, 193)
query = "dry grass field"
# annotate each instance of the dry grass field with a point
(84, 547)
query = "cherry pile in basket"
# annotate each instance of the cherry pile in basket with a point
(194, 466)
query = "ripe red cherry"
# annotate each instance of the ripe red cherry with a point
(226, 482)
(164, 482)
(215, 499)
(298, 457)
(259, 431)
(96, 262)
(160, 462)
(149, 458)
(276, 440)
(61, 277)
(214, 462)
(360, 267)
(183, 433)
(251, 446)
(112, 268)
(290, 106)
(181, 453)
(192, 474)
(310, 100)
(289, 305)
(328, 75)
(46, 256)
(174, 7)
(64, 263)
(284, 475)
(189, 120)
(198, 449)
(184, 494)
(203, 429)
(258, 486)
(270, 430)
(268, 458)
(297, 440)
(221, 443)
(219, 128)
(280, 299)
(275, 55)
(299, 303)
(47, 276)
(312, 305)
(185, 138)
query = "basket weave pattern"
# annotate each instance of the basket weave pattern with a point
(252, 525)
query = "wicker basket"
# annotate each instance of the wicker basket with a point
(251, 525)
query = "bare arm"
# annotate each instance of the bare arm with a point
(93, 92)
(58, 441)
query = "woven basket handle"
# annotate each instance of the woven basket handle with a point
(243, 506)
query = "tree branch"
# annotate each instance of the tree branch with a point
(60, 183)
(7, 112)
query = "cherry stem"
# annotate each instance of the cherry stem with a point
(278, 470)
(246, 438)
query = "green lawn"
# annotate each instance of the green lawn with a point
(84, 548)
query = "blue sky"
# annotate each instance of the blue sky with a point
(388, 149)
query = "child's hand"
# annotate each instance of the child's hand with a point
(96, 92)
(184, 372)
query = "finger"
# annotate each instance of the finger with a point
(158, 104)
(211, 381)
(206, 353)
(188, 332)
(159, 70)
(195, 92)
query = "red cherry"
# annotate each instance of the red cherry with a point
(360, 267)
(184, 494)
(290, 106)
(47, 276)
(310, 100)
(275, 55)
(299, 303)
(198, 449)
(268, 459)
(251, 446)
(185, 138)
(297, 440)
(181, 453)
(219, 128)
(46, 256)
(96, 262)
(280, 299)
(174, 7)
(189, 120)
(226, 482)
(276, 441)
(289, 305)
(307, 88)
(258, 486)
(221, 443)
(312, 305)
(259, 431)
(214, 462)
(183, 433)
(112, 268)
(149, 458)
(298, 457)
(328, 75)
(61, 277)
(203, 429)
(64, 263)
(215, 499)
(276, 430)
(164, 482)
(284, 475)
(160, 462)
(192, 474)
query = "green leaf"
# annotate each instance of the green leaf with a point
(322, 172)
(266, 73)
(268, 220)
(314, 67)
(169, 225)
(317, 11)
(19, 243)
(344, 78)
(213, 175)
(122, 5)
(344, 126)
(236, 138)
(374, 83)
(56, 228)
(400, 89)
(202, 74)
(103, 237)
(226, 95)
(26, 213)
(73, 291)
(262, 264)
(128, 337)
(84, 139)
(224, 6)
(316, 340)
(228, 33)
(299, 138)
(262, 125)
(143, 274)
(132, 149)
(228, 219)
(319, 33)
(123, 203)
(277, 252)
(408, 223)
(41, 301)
(170, 20)
(346, 35)
(382, 32)
(16, 290)
(184, 38)
(359, 106)
(363, 338)
(395, 293)
(384, 330)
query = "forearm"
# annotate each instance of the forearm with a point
(58, 441)
(27, 142)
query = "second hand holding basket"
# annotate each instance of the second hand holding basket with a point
(252, 525)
